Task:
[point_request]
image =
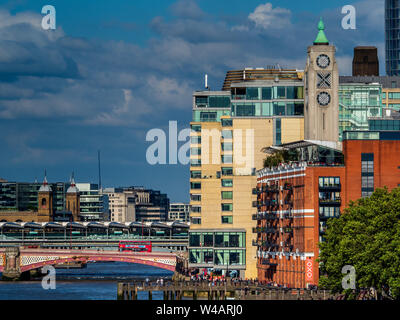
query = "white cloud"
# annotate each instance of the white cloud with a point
(266, 17)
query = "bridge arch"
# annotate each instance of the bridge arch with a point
(99, 259)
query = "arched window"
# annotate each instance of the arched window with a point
(44, 202)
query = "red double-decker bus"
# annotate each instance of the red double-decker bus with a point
(136, 246)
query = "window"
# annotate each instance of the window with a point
(195, 151)
(208, 116)
(195, 185)
(226, 134)
(329, 182)
(227, 219)
(208, 239)
(227, 146)
(329, 212)
(226, 122)
(195, 139)
(227, 171)
(266, 93)
(227, 207)
(245, 110)
(226, 194)
(194, 256)
(227, 183)
(367, 174)
(227, 159)
(195, 128)
(281, 93)
(279, 108)
(195, 174)
(194, 239)
(252, 94)
(195, 162)
(299, 109)
(219, 101)
(195, 220)
(201, 101)
(195, 209)
(278, 132)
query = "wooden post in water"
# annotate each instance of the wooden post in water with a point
(134, 293)
(150, 295)
(120, 291)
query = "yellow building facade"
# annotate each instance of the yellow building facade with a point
(230, 130)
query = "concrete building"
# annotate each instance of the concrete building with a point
(93, 204)
(179, 212)
(256, 108)
(131, 204)
(296, 199)
(121, 205)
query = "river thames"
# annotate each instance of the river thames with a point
(98, 281)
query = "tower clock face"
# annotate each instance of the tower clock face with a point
(323, 61)
(324, 98)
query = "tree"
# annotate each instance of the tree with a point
(367, 237)
(281, 156)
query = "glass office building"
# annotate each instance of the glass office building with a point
(392, 37)
(358, 103)
(21, 196)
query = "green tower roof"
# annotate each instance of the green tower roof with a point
(321, 37)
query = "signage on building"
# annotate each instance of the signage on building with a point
(309, 270)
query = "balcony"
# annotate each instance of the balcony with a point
(260, 243)
(324, 217)
(287, 230)
(288, 186)
(265, 230)
(266, 262)
(330, 202)
(335, 188)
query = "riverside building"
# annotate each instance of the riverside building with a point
(257, 107)
(296, 199)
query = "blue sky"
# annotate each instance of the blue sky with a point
(113, 70)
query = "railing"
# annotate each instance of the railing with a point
(16, 237)
(337, 187)
(336, 201)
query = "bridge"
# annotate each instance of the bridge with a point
(14, 261)
(93, 235)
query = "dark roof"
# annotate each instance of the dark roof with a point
(385, 81)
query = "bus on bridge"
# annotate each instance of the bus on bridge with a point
(136, 246)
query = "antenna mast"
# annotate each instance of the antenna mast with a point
(98, 157)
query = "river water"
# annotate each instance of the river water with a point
(96, 282)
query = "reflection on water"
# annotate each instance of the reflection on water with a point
(96, 282)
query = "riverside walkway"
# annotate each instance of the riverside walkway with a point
(205, 290)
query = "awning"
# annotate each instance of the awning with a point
(11, 225)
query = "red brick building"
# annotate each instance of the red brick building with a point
(297, 198)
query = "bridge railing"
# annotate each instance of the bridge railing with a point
(14, 237)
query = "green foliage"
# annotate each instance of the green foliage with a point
(367, 237)
(278, 157)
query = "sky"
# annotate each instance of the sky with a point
(113, 70)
